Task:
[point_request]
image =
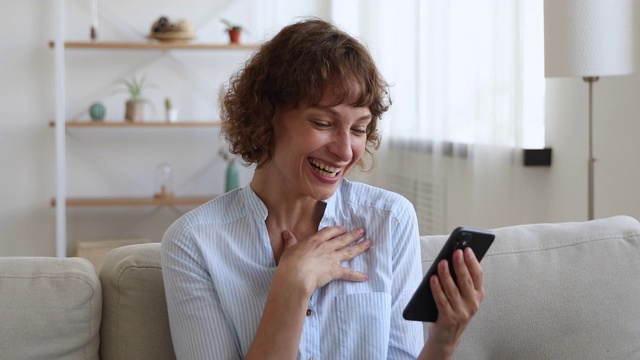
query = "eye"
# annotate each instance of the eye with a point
(320, 124)
(359, 130)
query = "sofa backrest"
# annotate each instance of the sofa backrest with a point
(135, 323)
(557, 291)
(50, 308)
(553, 291)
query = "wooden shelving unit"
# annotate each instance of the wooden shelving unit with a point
(136, 201)
(133, 201)
(148, 124)
(151, 45)
(61, 125)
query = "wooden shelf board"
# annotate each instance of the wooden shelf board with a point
(132, 201)
(150, 45)
(124, 124)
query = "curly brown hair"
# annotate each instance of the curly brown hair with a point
(297, 65)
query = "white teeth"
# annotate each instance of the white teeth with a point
(327, 174)
(325, 170)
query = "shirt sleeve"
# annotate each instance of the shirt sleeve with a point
(198, 326)
(406, 337)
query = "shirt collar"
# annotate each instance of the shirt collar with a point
(255, 205)
(253, 202)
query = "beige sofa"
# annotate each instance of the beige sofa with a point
(554, 291)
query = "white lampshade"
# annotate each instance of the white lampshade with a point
(588, 37)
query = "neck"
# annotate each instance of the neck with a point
(301, 214)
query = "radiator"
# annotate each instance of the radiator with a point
(428, 197)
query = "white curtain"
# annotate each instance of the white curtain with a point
(468, 94)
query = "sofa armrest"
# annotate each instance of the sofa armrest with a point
(557, 291)
(50, 308)
(135, 323)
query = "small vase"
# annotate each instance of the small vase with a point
(97, 111)
(232, 176)
(172, 115)
(164, 181)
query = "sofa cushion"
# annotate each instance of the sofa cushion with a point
(557, 291)
(135, 323)
(50, 308)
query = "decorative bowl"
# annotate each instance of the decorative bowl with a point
(173, 36)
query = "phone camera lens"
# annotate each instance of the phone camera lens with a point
(464, 239)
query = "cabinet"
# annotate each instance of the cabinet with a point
(112, 131)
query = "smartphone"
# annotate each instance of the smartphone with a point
(422, 306)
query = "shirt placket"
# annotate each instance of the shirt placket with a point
(311, 334)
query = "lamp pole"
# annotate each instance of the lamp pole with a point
(592, 160)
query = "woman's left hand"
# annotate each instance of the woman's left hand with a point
(456, 304)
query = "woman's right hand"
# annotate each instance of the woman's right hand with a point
(316, 260)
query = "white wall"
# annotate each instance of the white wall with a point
(98, 157)
(114, 162)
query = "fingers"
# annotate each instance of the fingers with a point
(330, 232)
(469, 273)
(327, 233)
(338, 239)
(475, 270)
(341, 244)
(459, 302)
(323, 253)
(289, 239)
(464, 281)
(450, 296)
(335, 236)
(441, 299)
(347, 238)
(352, 275)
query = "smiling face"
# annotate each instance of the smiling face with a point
(315, 146)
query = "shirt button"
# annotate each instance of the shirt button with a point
(309, 312)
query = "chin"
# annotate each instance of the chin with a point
(322, 197)
(325, 194)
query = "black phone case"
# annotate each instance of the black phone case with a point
(422, 306)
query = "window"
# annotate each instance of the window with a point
(462, 71)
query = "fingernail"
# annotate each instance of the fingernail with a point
(459, 257)
(366, 243)
(360, 231)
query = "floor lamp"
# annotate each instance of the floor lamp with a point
(588, 39)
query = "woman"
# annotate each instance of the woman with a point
(303, 263)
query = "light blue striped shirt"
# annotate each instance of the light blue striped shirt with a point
(218, 266)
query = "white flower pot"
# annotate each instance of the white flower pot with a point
(172, 115)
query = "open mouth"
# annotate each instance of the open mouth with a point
(324, 169)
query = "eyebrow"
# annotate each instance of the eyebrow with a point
(335, 113)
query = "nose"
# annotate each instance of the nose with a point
(341, 145)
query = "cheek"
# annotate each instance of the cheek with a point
(358, 146)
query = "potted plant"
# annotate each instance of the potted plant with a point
(234, 31)
(134, 111)
(170, 111)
